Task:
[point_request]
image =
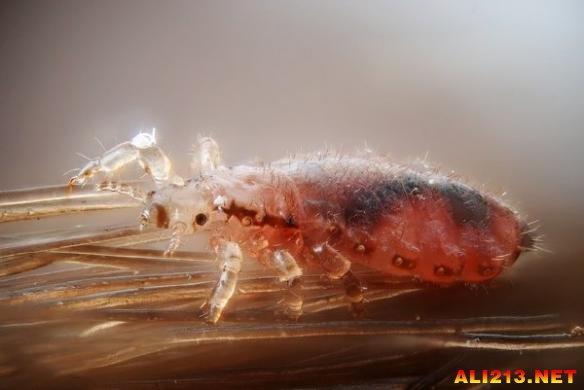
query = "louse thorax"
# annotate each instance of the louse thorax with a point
(260, 208)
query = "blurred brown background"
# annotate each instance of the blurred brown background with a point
(492, 89)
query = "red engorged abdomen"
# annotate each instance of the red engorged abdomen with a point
(399, 222)
(422, 240)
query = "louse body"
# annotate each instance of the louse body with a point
(325, 212)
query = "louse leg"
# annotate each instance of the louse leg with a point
(177, 226)
(122, 188)
(338, 267)
(144, 218)
(354, 293)
(143, 149)
(178, 230)
(230, 258)
(207, 158)
(290, 273)
(146, 213)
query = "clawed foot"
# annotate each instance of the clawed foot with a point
(85, 174)
(210, 314)
(354, 295)
(287, 312)
(358, 309)
(291, 306)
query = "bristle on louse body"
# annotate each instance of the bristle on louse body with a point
(388, 217)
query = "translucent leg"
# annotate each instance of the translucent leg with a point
(207, 158)
(122, 188)
(338, 267)
(291, 273)
(178, 230)
(230, 258)
(354, 293)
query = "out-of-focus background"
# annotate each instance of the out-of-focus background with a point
(491, 89)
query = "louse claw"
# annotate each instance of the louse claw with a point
(210, 314)
(86, 173)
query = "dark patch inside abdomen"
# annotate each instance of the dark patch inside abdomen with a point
(467, 205)
(365, 206)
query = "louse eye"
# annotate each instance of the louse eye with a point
(201, 219)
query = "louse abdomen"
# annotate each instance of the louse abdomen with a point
(428, 227)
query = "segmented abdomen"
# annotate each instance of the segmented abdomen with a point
(405, 222)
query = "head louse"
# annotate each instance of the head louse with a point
(327, 211)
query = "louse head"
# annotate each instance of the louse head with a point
(190, 205)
